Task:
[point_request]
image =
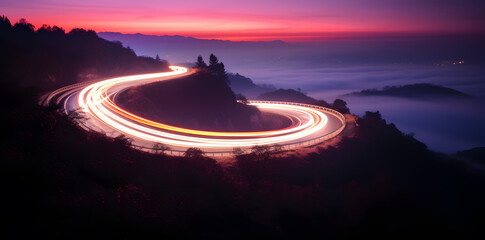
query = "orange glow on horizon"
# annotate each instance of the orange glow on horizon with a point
(245, 34)
(308, 20)
(235, 30)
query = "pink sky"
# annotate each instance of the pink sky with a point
(257, 19)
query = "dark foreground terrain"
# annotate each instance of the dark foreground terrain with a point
(62, 182)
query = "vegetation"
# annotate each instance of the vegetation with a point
(419, 90)
(202, 100)
(48, 58)
(244, 85)
(64, 182)
(59, 181)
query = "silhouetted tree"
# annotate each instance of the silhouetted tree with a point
(157, 58)
(5, 24)
(200, 63)
(217, 69)
(23, 26)
(76, 115)
(237, 151)
(262, 152)
(213, 61)
(193, 153)
(340, 105)
(124, 140)
(51, 58)
(215, 66)
(373, 118)
(160, 148)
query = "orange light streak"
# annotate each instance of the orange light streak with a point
(96, 101)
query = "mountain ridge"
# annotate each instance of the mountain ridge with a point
(179, 37)
(417, 90)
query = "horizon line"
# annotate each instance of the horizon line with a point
(288, 37)
(331, 36)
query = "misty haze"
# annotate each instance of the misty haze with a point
(227, 119)
(329, 70)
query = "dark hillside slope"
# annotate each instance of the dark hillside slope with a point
(202, 101)
(246, 86)
(62, 182)
(198, 102)
(48, 58)
(419, 91)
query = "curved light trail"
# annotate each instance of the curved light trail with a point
(97, 101)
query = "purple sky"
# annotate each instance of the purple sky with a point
(257, 19)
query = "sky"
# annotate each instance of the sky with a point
(288, 20)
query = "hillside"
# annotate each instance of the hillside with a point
(198, 102)
(49, 58)
(201, 101)
(287, 95)
(82, 184)
(246, 86)
(419, 91)
(475, 154)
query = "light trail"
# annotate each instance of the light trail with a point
(96, 100)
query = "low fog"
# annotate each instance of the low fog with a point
(328, 70)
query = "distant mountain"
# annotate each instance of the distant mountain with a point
(180, 48)
(240, 56)
(177, 39)
(419, 90)
(288, 95)
(246, 86)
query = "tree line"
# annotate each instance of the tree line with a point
(48, 58)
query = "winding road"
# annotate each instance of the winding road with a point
(96, 101)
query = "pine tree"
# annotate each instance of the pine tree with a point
(217, 68)
(200, 63)
(213, 61)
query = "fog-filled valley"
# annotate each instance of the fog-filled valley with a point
(331, 69)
